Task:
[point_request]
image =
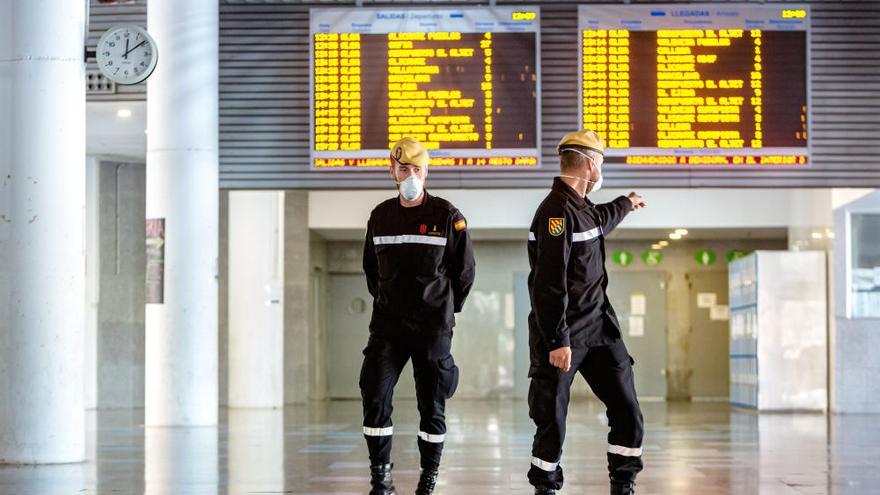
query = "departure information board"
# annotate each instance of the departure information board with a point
(697, 85)
(463, 81)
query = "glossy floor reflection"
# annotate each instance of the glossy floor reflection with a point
(700, 448)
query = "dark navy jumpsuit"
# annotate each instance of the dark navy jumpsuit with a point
(567, 286)
(419, 265)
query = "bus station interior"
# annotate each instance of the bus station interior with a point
(717, 257)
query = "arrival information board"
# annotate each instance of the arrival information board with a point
(697, 85)
(464, 82)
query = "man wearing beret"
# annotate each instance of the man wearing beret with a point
(572, 326)
(419, 264)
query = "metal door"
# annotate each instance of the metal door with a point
(349, 307)
(709, 336)
(522, 306)
(639, 299)
(647, 345)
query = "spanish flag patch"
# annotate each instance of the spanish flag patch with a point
(460, 225)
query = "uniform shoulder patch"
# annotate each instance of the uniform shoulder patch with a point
(460, 225)
(556, 226)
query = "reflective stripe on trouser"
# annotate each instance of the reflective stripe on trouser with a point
(430, 450)
(608, 370)
(435, 375)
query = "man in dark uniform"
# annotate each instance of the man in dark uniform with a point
(420, 266)
(572, 326)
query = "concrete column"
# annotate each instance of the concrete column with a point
(42, 415)
(855, 376)
(120, 333)
(223, 301)
(256, 312)
(93, 285)
(298, 337)
(182, 188)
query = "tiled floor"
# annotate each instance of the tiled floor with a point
(699, 448)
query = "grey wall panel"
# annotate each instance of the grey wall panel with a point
(264, 100)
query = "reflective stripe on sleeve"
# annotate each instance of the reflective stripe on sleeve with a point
(586, 236)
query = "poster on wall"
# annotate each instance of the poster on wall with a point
(155, 260)
(464, 81)
(697, 85)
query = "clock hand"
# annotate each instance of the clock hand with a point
(125, 55)
(133, 49)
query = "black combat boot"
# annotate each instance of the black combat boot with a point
(381, 480)
(545, 491)
(427, 482)
(623, 488)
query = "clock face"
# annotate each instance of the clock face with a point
(126, 54)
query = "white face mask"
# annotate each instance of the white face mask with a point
(411, 188)
(597, 184)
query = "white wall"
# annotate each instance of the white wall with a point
(111, 135)
(514, 208)
(256, 333)
(810, 217)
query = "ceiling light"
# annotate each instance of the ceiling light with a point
(681, 231)
(656, 247)
(817, 235)
(663, 243)
(123, 113)
(674, 236)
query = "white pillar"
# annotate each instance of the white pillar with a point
(256, 451)
(256, 297)
(182, 188)
(180, 460)
(42, 100)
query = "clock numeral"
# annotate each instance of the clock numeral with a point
(109, 63)
(106, 54)
(112, 44)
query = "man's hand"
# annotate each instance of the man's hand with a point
(637, 201)
(561, 358)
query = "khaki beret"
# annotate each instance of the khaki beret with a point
(584, 138)
(408, 151)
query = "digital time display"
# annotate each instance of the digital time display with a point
(464, 82)
(696, 85)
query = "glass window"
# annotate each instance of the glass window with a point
(865, 282)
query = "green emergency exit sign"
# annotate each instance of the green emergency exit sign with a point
(705, 258)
